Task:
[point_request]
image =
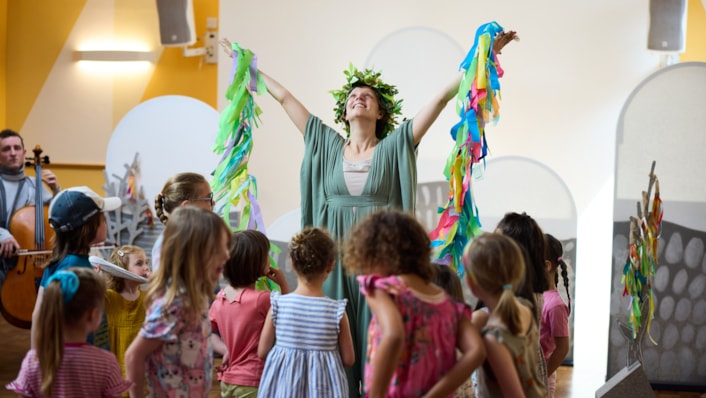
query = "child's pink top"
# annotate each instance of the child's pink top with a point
(239, 323)
(555, 321)
(85, 371)
(430, 324)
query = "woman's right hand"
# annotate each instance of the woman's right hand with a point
(503, 38)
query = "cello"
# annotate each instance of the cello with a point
(30, 227)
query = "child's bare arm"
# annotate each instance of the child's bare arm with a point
(386, 357)
(267, 337)
(557, 357)
(135, 356)
(503, 367)
(35, 317)
(219, 346)
(345, 342)
(473, 354)
(277, 276)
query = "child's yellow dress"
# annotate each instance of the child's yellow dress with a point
(125, 319)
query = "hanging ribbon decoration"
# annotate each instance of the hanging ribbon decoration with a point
(639, 269)
(476, 104)
(231, 179)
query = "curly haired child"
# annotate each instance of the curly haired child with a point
(416, 327)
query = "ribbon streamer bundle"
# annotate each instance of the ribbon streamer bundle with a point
(639, 269)
(231, 179)
(476, 104)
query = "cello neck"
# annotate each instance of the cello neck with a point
(39, 236)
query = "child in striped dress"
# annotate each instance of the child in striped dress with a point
(313, 337)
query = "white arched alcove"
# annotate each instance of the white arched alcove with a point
(171, 134)
(421, 61)
(663, 120)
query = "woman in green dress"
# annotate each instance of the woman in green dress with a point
(344, 179)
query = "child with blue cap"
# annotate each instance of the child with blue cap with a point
(76, 216)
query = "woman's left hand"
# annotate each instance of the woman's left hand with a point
(502, 38)
(226, 46)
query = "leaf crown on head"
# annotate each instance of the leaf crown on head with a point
(385, 92)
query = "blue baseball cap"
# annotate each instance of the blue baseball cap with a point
(72, 207)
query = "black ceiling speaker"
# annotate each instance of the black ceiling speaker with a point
(176, 22)
(667, 25)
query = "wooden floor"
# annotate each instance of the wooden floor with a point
(14, 342)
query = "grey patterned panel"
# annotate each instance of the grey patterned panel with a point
(679, 325)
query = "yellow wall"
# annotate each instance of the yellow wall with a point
(31, 72)
(3, 62)
(71, 175)
(191, 77)
(695, 33)
(47, 24)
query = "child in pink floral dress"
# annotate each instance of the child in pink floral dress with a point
(172, 352)
(416, 326)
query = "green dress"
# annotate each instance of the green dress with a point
(326, 202)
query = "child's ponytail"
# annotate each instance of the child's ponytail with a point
(496, 263)
(69, 295)
(555, 253)
(507, 310)
(50, 333)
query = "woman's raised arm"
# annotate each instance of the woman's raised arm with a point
(291, 105)
(430, 112)
(296, 111)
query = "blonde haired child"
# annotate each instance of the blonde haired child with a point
(62, 364)
(313, 338)
(416, 327)
(124, 300)
(172, 350)
(495, 267)
(554, 333)
(239, 312)
(179, 190)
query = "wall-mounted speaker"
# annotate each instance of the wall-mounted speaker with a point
(629, 382)
(176, 22)
(667, 30)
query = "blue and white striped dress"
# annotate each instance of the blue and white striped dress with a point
(305, 361)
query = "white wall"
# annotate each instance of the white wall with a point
(565, 84)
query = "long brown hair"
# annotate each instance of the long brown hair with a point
(527, 233)
(56, 312)
(77, 241)
(178, 188)
(190, 239)
(555, 251)
(495, 262)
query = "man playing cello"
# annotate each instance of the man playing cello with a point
(16, 191)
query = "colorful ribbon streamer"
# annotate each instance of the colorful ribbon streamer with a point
(639, 269)
(231, 179)
(476, 104)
